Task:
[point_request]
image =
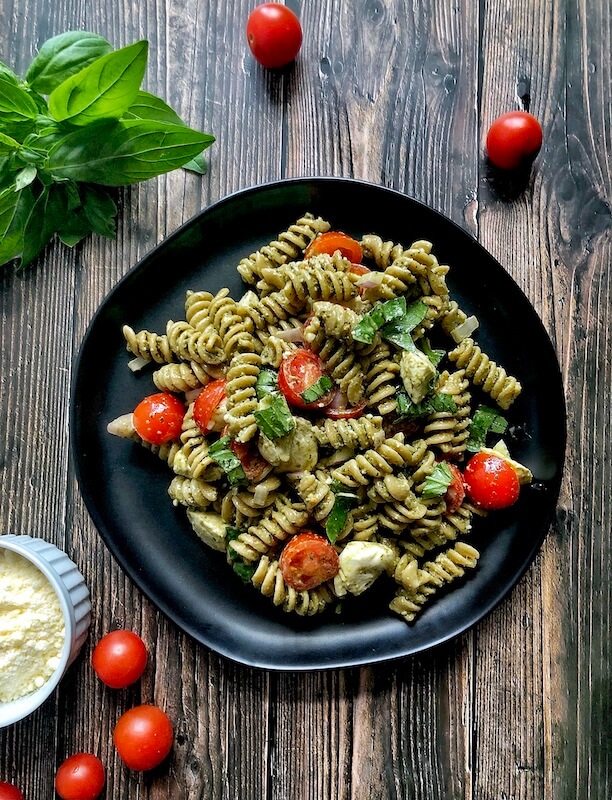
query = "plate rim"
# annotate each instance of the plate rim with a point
(186, 626)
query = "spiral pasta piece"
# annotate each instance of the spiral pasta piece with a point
(381, 379)
(241, 395)
(148, 346)
(275, 350)
(321, 277)
(281, 520)
(484, 372)
(191, 492)
(315, 492)
(269, 580)
(287, 247)
(197, 305)
(365, 467)
(448, 430)
(179, 377)
(189, 344)
(362, 432)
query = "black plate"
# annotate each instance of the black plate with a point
(125, 487)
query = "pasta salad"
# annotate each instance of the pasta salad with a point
(315, 433)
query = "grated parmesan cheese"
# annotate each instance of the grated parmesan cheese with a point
(31, 627)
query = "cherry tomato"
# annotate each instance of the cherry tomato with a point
(455, 493)
(143, 737)
(274, 35)
(514, 139)
(207, 402)
(9, 792)
(159, 418)
(299, 372)
(308, 560)
(490, 482)
(119, 658)
(335, 240)
(80, 777)
(253, 464)
(339, 408)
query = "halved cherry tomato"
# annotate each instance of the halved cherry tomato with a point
(455, 493)
(299, 372)
(206, 404)
(80, 777)
(514, 139)
(158, 418)
(335, 240)
(143, 737)
(308, 560)
(339, 408)
(490, 482)
(9, 791)
(253, 464)
(119, 658)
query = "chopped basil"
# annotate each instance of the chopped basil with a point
(343, 502)
(318, 389)
(486, 420)
(267, 383)
(438, 482)
(229, 462)
(274, 419)
(441, 403)
(399, 330)
(435, 356)
(244, 571)
(383, 313)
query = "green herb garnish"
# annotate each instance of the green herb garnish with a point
(229, 462)
(399, 330)
(343, 502)
(317, 390)
(438, 482)
(486, 420)
(267, 383)
(435, 356)
(275, 419)
(382, 313)
(77, 123)
(441, 403)
(244, 571)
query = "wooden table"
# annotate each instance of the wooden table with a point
(400, 94)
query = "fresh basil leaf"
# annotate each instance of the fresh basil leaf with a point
(16, 105)
(28, 156)
(275, 420)
(47, 216)
(63, 56)
(343, 502)
(102, 91)
(75, 228)
(399, 330)
(100, 210)
(267, 383)
(15, 208)
(438, 482)
(8, 144)
(318, 389)
(486, 420)
(7, 73)
(229, 462)
(244, 571)
(17, 130)
(198, 165)
(441, 403)
(435, 356)
(382, 313)
(124, 152)
(148, 106)
(25, 177)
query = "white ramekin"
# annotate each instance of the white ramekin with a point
(73, 595)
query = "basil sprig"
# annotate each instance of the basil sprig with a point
(442, 403)
(275, 418)
(317, 390)
(77, 123)
(229, 462)
(486, 420)
(438, 482)
(395, 321)
(343, 502)
(267, 383)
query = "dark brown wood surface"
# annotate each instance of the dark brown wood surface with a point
(400, 93)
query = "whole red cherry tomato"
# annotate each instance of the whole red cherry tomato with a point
(490, 482)
(335, 240)
(514, 139)
(308, 560)
(274, 35)
(9, 792)
(207, 402)
(158, 418)
(299, 372)
(80, 777)
(119, 658)
(455, 493)
(143, 737)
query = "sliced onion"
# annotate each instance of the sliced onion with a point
(371, 280)
(291, 335)
(136, 364)
(191, 395)
(122, 426)
(464, 330)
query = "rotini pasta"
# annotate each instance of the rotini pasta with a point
(322, 434)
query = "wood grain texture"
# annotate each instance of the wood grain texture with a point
(398, 93)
